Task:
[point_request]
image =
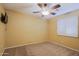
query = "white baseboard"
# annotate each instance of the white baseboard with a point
(42, 42)
(64, 46)
(25, 44)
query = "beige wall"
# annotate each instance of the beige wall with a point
(67, 41)
(2, 32)
(24, 29)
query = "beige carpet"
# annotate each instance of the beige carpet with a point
(42, 49)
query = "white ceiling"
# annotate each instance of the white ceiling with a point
(30, 7)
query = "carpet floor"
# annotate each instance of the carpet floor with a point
(42, 49)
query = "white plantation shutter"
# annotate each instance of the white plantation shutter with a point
(68, 26)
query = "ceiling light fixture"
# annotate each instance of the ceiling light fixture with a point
(45, 12)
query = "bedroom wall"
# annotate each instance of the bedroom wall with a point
(2, 32)
(23, 29)
(70, 42)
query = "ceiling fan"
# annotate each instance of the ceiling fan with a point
(45, 10)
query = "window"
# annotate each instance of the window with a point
(68, 26)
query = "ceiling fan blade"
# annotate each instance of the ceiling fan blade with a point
(45, 4)
(36, 11)
(53, 13)
(56, 6)
(42, 5)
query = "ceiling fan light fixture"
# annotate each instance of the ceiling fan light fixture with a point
(45, 13)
